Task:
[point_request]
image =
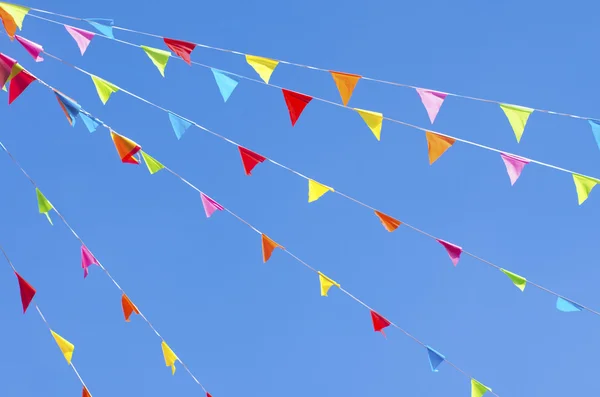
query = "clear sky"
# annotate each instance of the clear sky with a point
(246, 328)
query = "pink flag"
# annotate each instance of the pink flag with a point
(34, 49)
(82, 37)
(432, 100)
(454, 251)
(6, 65)
(87, 259)
(210, 205)
(514, 166)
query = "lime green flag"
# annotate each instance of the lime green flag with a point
(584, 186)
(153, 164)
(158, 57)
(43, 204)
(104, 88)
(517, 117)
(518, 281)
(478, 389)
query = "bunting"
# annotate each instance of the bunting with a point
(373, 121)
(390, 224)
(18, 84)
(64, 345)
(432, 100)
(69, 107)
(81, 37)
(268, 246)
(179, 125)
(26, 291)
(170, 357)
(565, 305)
(104, 88)
(128, 307)
(345, 83)
(437, 145)
(85, 392)
(514, 166)
(295, 103)
(478, 389)
(518, 281)
(250, 159)
(153, 165)
(584, 186)
(210, 205)
(453, 251)
(6, 68)
(12, 17)
(158, 57)
(225, 83)
(183, 49)
(379, 322)
(326, 283)
(102, 25)
(263, 66)
(44, 205)
(126, 148)
(595, 130)
(316, 190)
(517, 117)
(87, 259)
(90, 122)
(435, 358)
(34, 49)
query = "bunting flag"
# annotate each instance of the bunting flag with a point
(26, 290)
(595, 130)
(16, 69)
(170, 357)
(567, 306)
(81, 37)
(158, 57)
(437, 145)
(210, 205)
(12, 17)
(295, 103)
(87, 259)
(584, 186)
(69, 107)
(478, 389)
(179, 125)
(518, 281)
(18, 84)
(6, 68)
(225, 83)
(104, 88)
(85, 392)
(326, 283)
(379, 322)
(454, 251)
(128, 307)
(268, 246)
(373, 120)
(388, 222)
(181, 48)
(316, 190)
(153, 165)
(34, 49)
(435, 358)
(250, 159)
(517, 117)
(345, 83)
(102, 25)
(126, 148)
(514, 166)
(263, 66)
(90, 122)
(432, 100)
(65, 346)
(44, 205)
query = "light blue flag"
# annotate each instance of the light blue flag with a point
(567, 306)
(435, 359)
(90, 123)
(595, 130)
(226, 84)
(179, 125)
(102, 25)
(70, 107)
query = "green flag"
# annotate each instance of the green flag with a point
(517, 117)
(584, 186)
(153, 165)
(104, 88)
(478, 389)
(158, 57)
(518, 281)
(43, 204)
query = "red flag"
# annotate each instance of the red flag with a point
(379, 322)
(250, 159)
(296, 103)
(128, 307)
(181, 48)
(18, 84)
(85, 392)
(208, 394)
(27, 292)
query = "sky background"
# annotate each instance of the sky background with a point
(248, 328)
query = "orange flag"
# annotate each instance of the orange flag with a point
(345, 83)
(85, 392)
(437, 145)
(128, 307)
(388, 222)
(126, 148)
(268, 246)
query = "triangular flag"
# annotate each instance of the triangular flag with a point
(584, 186)
(210, 205)
(478, 389)
(517, 117)
(18, 84)
(17, 68)
(316, 190)
(102, 25)
(158, 57)
(435, 358)
(379, 322)
(81, 37)
(181, 48)
(126, 148)
(263, 66)
(6, 68)
(87, 259)
(12, 17)
(514, 166)
(268, 246)
(437, 145)
(104, 88)
(295, 103)
(128, 307)
(373, 120)
(432, 100)
(27, 292)
(90, 122)
(208, 394)
(170, 357)
(69, 107)
(250, 159)
(345, 83)
(34, 49)
(518, 281)
(153, 165)
(326, 283)
(567, 306)
(85, 392)
(595, 130)
(44, 205)
(388, 222)
(64, 345)
(179, 125)
(225, 83)
(454, 251)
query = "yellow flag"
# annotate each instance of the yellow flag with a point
(373, 120)
(326, 283)
(517, 117)
(14, 71)
(478, 389)
(584, 186)
(263, 66)
(519, 281)
(64, 345)
(16, 12)
(104, 88)
(170, 357)
(316, 190)
(158, 57)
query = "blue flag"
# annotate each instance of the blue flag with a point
(226, 84)
(90, 122)
(435, 359)
(567, 306)
(70, 107)
(595, 130)
(179, 125)
(102, 25)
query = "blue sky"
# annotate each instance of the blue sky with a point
(244, 327)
